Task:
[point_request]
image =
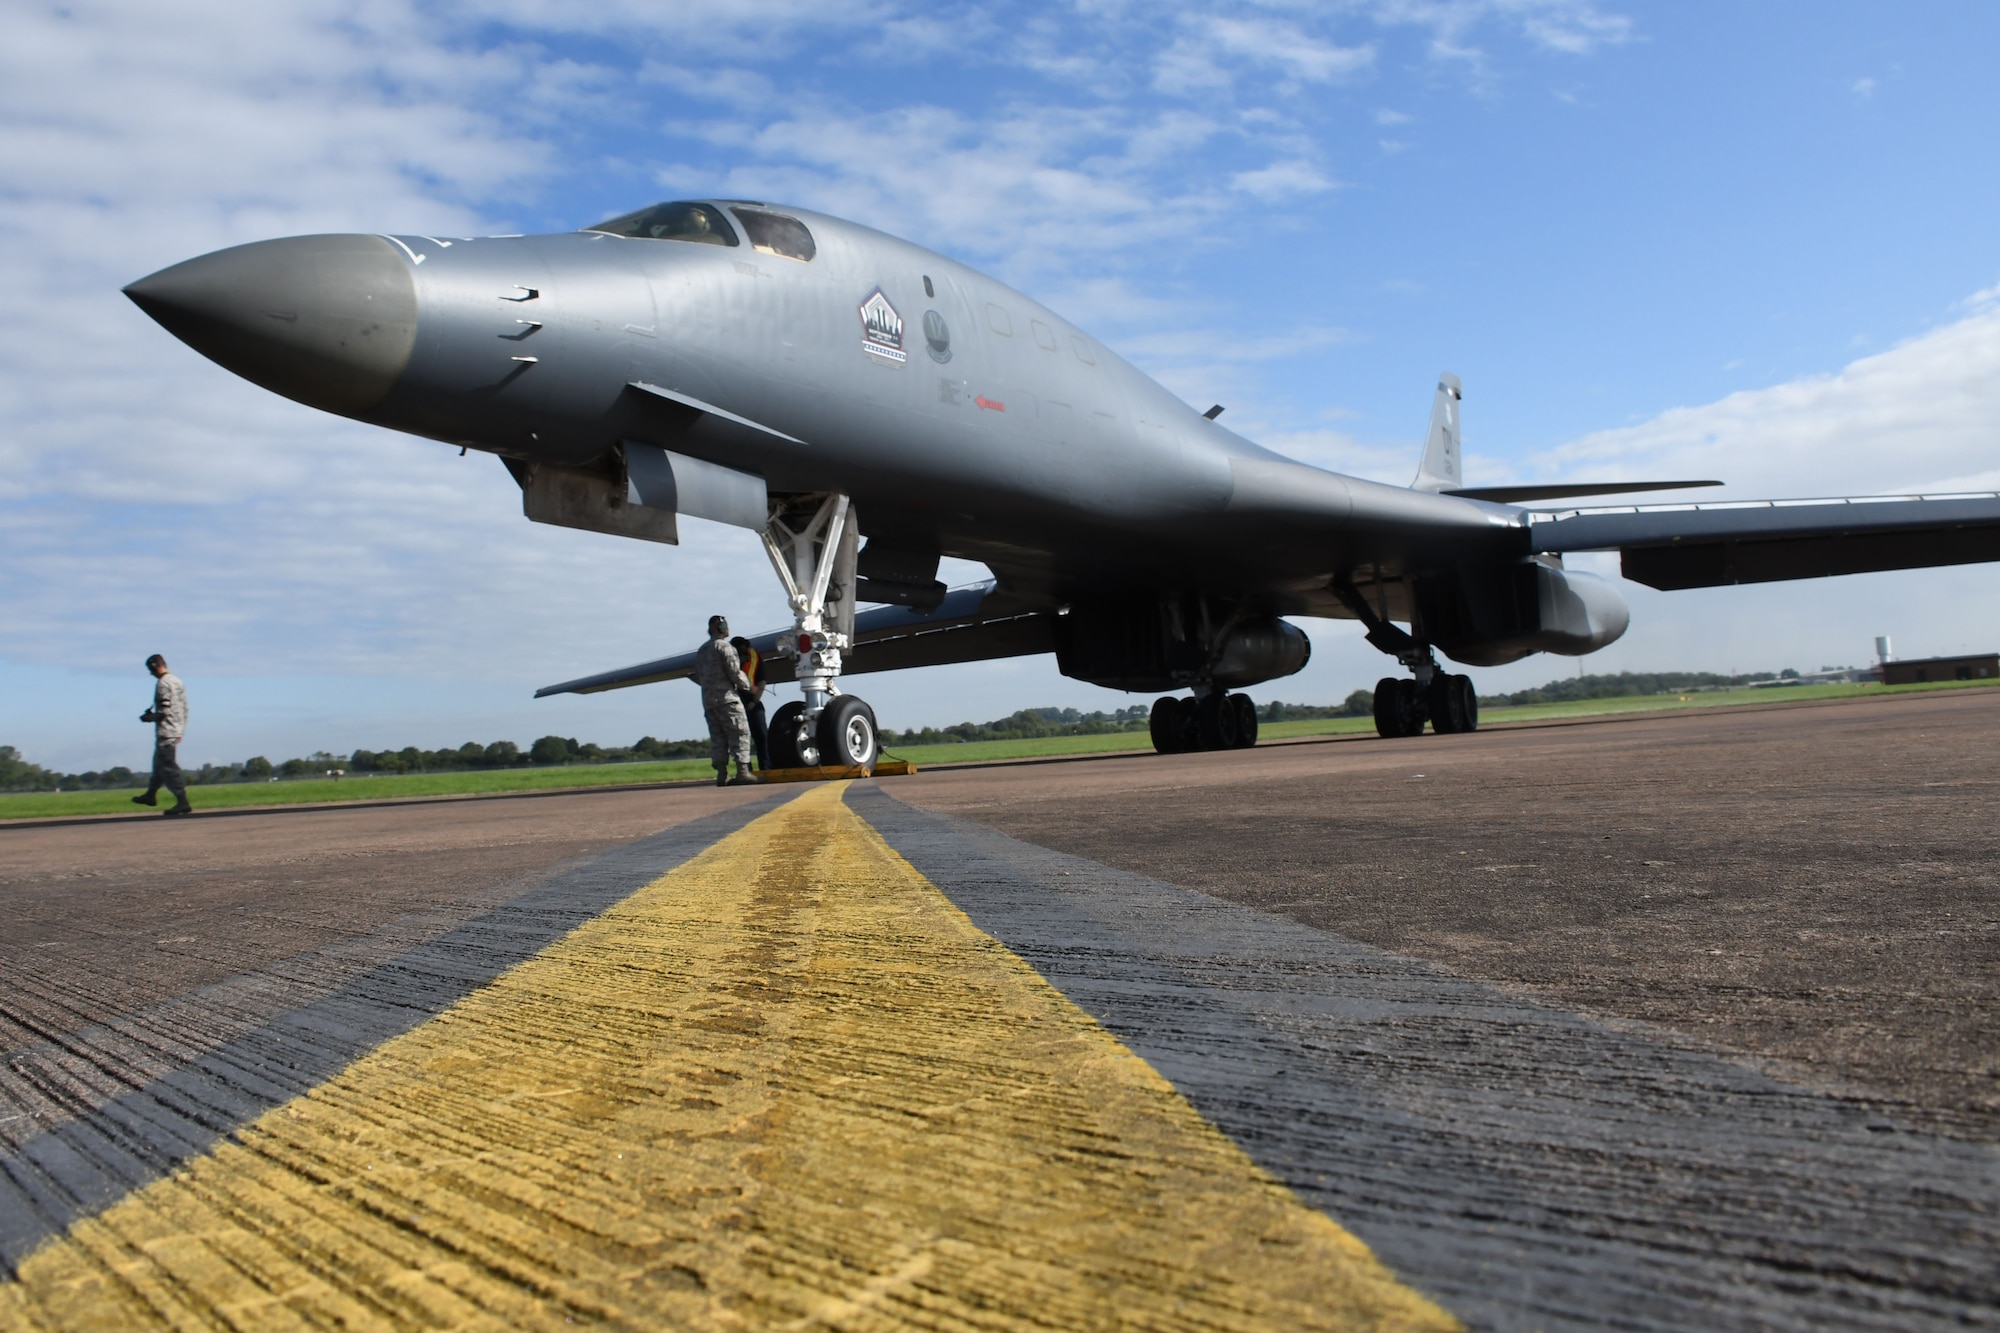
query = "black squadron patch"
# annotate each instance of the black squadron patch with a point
(882, 328)
(937, 337)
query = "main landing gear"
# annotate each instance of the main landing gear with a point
(1448, 703)
(811, 542)
(1212, 720)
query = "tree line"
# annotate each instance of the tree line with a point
(1629, 684)
(1038, 723)
(17, 774)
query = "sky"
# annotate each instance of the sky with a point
(1758, 243)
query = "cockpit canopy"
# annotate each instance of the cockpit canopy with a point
(775, 234)
(673, 222)
(769, 233)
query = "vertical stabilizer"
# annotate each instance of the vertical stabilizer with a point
(1441, 468)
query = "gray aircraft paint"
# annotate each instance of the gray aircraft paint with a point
(1025, 445)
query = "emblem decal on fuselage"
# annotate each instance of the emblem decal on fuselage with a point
(882, 328)
(937, 337)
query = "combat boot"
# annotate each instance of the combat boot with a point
(147, 799)
(182, 809)
(722, 777)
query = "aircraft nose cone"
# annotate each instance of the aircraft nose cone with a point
(326, 320)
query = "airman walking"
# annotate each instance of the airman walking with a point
(168, 715)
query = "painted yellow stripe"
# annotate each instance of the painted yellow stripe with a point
(775, 1089)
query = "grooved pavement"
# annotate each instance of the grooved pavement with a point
(1530, 1168)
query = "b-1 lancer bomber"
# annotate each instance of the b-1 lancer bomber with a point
(868, 407)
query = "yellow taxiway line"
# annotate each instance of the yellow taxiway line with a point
(770, 1090)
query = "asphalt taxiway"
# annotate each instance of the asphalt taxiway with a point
(1675, 1021)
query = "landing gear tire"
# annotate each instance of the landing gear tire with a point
(1445, 709)
(1454, 704)
(847, 736)
(793, 743)
(1388, 720)
(1215, 721)
(1246, 720)
(1190, 710)
(1399, 708)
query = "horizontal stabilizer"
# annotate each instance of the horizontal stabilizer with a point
(973, 623)
(1708, 545)
(1570, 490)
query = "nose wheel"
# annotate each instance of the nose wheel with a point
(843, 735)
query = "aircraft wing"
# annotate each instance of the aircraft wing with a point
(972, 623)
(1758, 541)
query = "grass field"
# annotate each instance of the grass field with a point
(44, 805)
(223, 796)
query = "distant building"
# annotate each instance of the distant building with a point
(1979, 666)
(1836, 676)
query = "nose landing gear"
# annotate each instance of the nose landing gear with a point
(812, 547)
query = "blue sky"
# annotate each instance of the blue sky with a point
(1753, 242)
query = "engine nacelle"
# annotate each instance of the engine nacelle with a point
(1580, 612)
(1147, 646)
(1534, 607)
(1261, 650)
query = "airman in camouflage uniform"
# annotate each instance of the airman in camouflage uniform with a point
(169, 715)
(719, 672)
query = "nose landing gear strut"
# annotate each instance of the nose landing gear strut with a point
(812, 547)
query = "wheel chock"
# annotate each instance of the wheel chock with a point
(887, 768)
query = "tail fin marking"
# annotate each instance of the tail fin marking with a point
(1442, 468)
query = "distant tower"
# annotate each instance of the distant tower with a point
(1883, 652)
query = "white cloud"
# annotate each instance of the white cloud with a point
(738, 31)
(1918, 417)
(1281, 180)
(1568, 27)
(1863, 88)
(1985, 296)
(1285, 46)
(1215, 52)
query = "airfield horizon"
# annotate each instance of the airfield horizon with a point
(379, 789)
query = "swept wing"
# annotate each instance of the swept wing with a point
(1674, 546)
(972, 624)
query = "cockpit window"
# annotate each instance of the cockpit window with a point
(776, 234)
(674, 222)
